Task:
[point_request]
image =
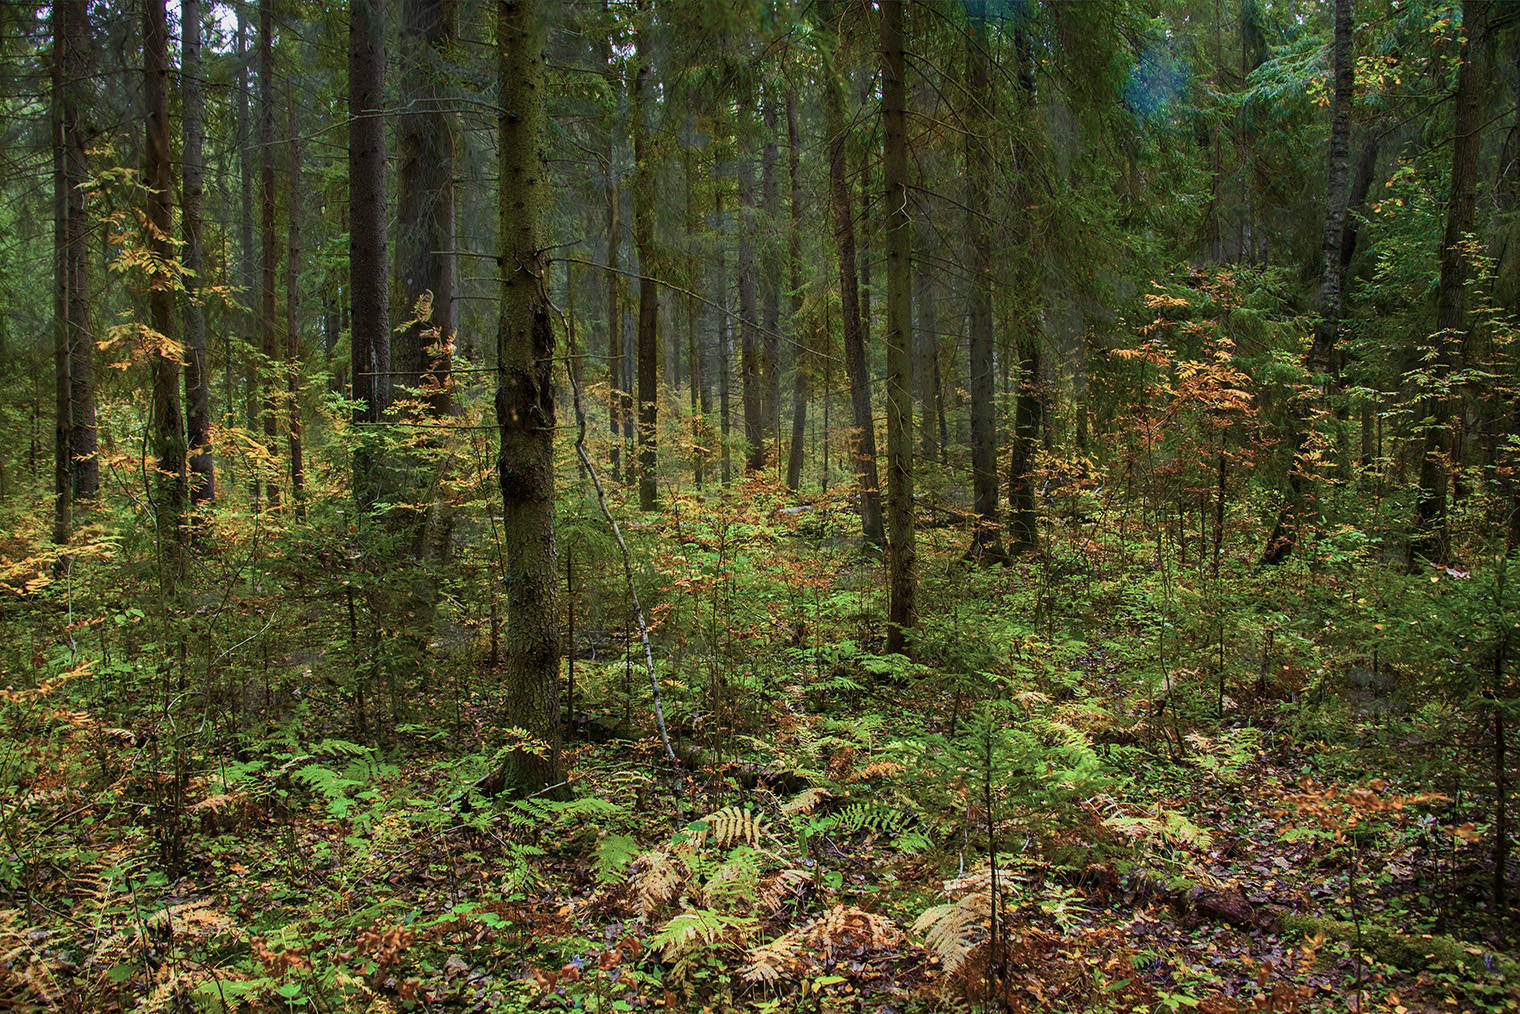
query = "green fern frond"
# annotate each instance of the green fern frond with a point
(613, 854)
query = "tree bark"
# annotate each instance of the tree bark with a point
(197, 381)
(770, 286)
(63, 458)
(525, 406)
(750, 383)
(619, 403)
(866, 476)
(168, 423)
(292, 313)
(902, 576)
(1429, 530)
(649, 289)
(367, 257)
(269, 336)
(986, 539)
(1023, 514)
(794, 282)
(82, 437)
(421, 355)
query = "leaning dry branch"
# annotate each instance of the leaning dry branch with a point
(617, 533)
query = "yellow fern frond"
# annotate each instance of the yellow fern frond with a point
(655, 879)
(731, 825)
(777, 890)
(806, 801)
(769, 962)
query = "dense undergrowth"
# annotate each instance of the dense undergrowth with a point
(1114, 777)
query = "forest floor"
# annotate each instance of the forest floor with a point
(1031, 816)
(1226, 874)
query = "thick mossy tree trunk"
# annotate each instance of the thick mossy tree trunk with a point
(1429, 531)
(986, 539)
(866, 476)
(648, 343)
(202, 469)
(63, 494)
(1023, 510)
(168, 422)
(902, 577)
(525, 407)
(425, 259)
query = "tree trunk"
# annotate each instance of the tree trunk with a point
(63, 494)
(370, 323)
(749, 335)
(898, 242)
(649, 290)
(865, 472)
(1023, 514)
(619, 401)
(794, 282)
(425, 262)
(292, 316)
(525, 405)
(197, 381)
(770, 286)
(270, 342)
(168, 422)
(248, 276)
(987, 539)
(83, 439)
(1429, 530)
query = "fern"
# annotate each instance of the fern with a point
(613, 854)
(769, 962)
(656, 877)
(728, 826)
(951, 930)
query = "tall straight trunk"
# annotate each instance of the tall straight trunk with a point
(1429, 530)
(725, 343)
(367, 256)
(1322, 355)
(986, 540)
(649, 290)
(197, 380)
(693, 225)
(794, 282)
(749, 331)
(270, 341)
(898, 237)
(525, 404)
(168, 421)
(63, 492)
(1023, 516)
(83, 439)
(248, 275)
(425, 260)
(865, 471)
(292, 315)
(770, 284)
(619, 403)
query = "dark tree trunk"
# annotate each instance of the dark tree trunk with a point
(1429, 530)
(248, 272)
(749, 333)
(370, 323)
(292, 314)
(269, 336)
(197, 381)
(864, 469)
(421, 356)
(770, 286)
(168, 422)
(1023, 514)
(987, 539)
(649, 289)
(83, 439)
(619, 403)
(902, 576)
(63, 492)
(525, 405)
(794, 282)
